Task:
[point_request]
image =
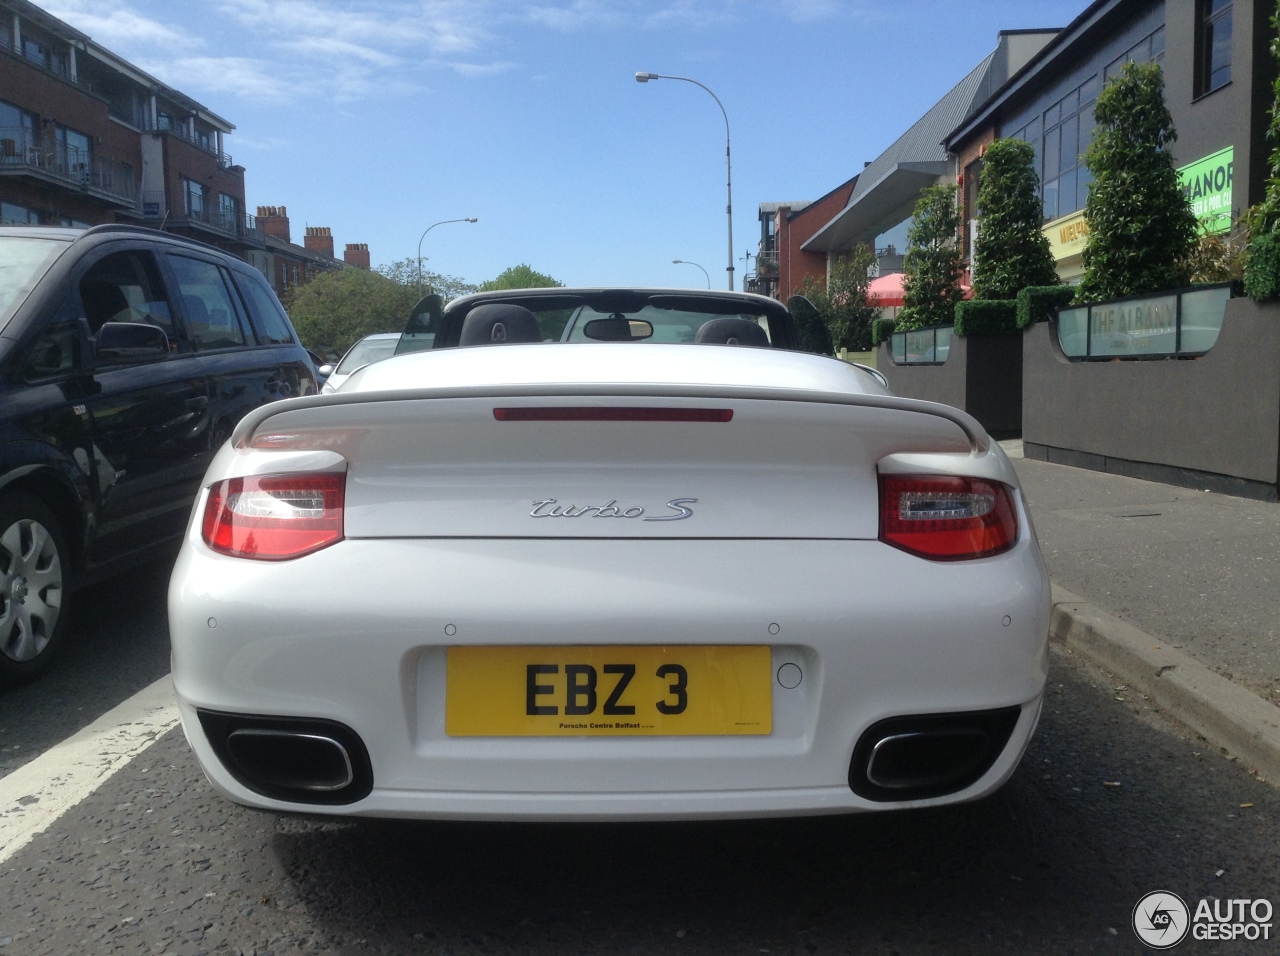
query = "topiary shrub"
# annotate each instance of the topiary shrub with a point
(1039, 303)
(1262, 276)
(1011, 250)
(931, 267)
(987, 317)
(1142, 230)
(882, 330)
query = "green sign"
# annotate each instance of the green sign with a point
(1207, 183)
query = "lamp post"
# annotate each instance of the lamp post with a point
(645, 78)
(424, 235)
(686, 262)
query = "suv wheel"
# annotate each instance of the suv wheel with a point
(34, 578)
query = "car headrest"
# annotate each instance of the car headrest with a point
(499, 324)
(731, 332)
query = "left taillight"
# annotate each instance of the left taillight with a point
(274, 517)
(947, 518)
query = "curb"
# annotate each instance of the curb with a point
(1223, 712)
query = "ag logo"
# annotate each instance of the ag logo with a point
(1161, 919)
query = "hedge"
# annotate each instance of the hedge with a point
(881, 330)
(1039, 303)
(987, 317)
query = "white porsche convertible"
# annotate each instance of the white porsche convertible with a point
(608, 576)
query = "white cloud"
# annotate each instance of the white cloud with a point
(114, 24)
(235, 75)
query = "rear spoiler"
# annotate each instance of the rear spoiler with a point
(979, 440)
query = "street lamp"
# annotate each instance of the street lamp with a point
(645, 78)
(686, 262)
(424, 235)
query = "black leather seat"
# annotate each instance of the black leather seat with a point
(731, 332)
(499, 324)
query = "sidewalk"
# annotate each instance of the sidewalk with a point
(1176, 591)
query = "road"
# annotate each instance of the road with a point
(1111, 802)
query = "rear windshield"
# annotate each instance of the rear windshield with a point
(22, 262)
(669, 325)
(365, 352)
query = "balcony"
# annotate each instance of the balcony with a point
(180, 131)
(25, 153)
(217, 221)
(56, 63)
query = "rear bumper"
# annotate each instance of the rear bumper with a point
(358, 634)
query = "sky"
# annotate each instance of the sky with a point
(379, 118)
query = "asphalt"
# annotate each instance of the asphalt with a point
(1175, 591)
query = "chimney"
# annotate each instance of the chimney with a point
(274, 221)
(319, 239)
(357, 254)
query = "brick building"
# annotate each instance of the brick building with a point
(88, 138)
(782, 264)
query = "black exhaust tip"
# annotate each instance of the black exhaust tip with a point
(928, 755)
(298, 759)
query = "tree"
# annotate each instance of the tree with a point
(519, 277)
(1142, 230)
(842, 301)
(931, 267)
(337, 308)
(405, 272)
(1011, 252)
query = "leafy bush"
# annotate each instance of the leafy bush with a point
(842, 301)
(1038, 303)
(1142, 229)
(1262, 277)
(987, 317)
(337, 308)
(882, 330)
(1011, 250)
(931, 267)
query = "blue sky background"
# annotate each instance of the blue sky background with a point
(378, 118)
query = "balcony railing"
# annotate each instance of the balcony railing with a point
(59, 64)
(155, 207)
(180, 131)
(24, 149)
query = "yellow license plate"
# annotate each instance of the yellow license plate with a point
(577, 691)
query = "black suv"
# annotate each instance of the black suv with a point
(126, 358)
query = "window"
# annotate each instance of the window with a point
(11, 214)
(74, 152)
(228, 211)
(35, 51)
(17, 133)
(1213, 45)
(213, 319)
(269, 317)
(1068, 130)
(193, 198)
(1149, 48)
(126, 287)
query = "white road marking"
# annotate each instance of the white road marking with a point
(35, 795)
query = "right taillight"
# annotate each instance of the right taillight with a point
(945, 517)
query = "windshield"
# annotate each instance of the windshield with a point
(22, 262)
(365, 352)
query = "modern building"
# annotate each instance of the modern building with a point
(1218, 75)
(885, 192)
(87, 138)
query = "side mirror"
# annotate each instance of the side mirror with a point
(129, 340)
(424, 321)
(326, 370)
